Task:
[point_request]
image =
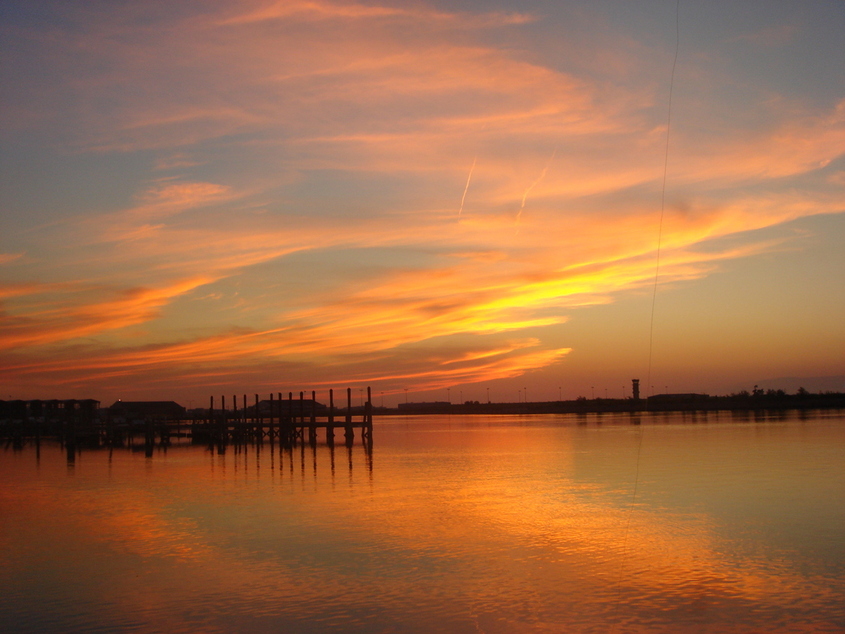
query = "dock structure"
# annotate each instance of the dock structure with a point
(288, 420)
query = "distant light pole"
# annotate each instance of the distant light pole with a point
(559, 394)
(623, 391)
(525, 389)
(449, 394)
(593, 392)
(605, 393)
(361, 394)
(488, 395)
(406, 396)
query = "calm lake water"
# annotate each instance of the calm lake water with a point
(713, 522)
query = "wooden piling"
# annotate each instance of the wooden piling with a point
(349, 433)
(367, 428)
(348, 405)
(270, 430)
(257, 422)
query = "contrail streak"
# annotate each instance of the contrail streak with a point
(466, 189)
(533, 185)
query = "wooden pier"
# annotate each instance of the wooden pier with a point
(285, 420)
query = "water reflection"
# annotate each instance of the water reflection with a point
(458, 524)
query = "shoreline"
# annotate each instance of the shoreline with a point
(712, 403)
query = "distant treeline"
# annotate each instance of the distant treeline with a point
(755, 399)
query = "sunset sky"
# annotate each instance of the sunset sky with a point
(217, 197)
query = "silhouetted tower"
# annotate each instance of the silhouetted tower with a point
(636, 383)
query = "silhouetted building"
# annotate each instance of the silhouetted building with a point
(286, 406)
(636, 384)
(142, 410)
(49, 410)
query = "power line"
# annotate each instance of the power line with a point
(654, 291)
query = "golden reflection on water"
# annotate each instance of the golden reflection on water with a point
(460, 524)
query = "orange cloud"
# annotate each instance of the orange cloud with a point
(322, 10)
(306, 162)
(45, 322)
(484, 294)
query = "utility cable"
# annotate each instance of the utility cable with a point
(654, 289)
